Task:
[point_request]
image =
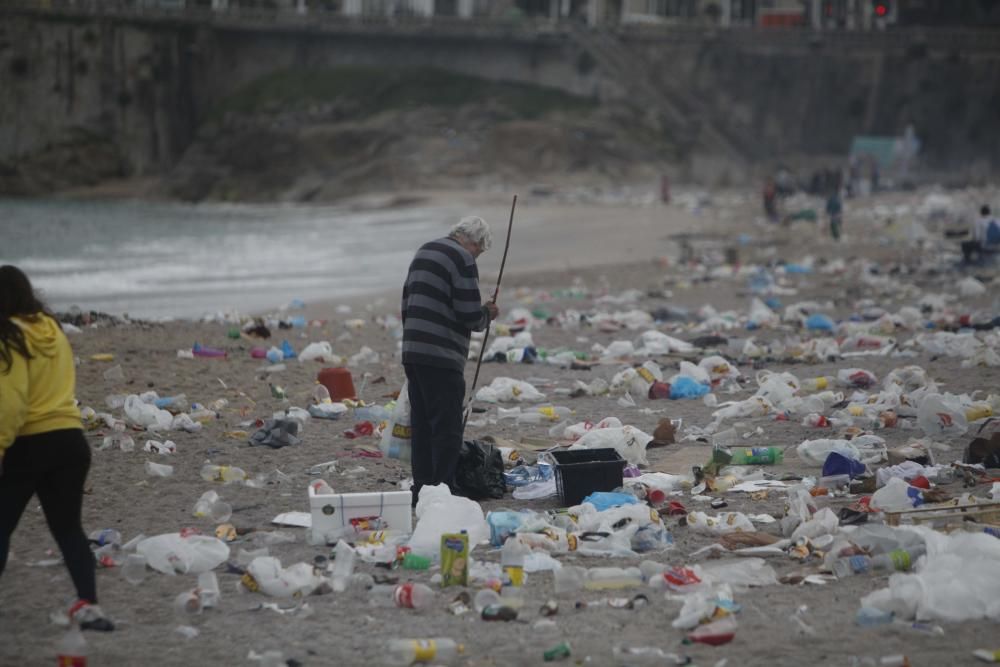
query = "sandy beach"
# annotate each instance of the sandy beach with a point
(621, 252)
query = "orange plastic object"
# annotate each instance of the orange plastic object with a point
(338, 382)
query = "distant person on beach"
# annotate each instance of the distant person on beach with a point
(42, 448)
(985, 237)
(770, 200)
(441, 308)
(835, 214)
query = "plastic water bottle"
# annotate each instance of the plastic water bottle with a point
(72, 649)
(214, 473)
(371, 413)
(743, 456)
(869, 617)
(343, 565)
(409, 651)
(817, 384)
(413, 596)
(106, 536)
(512, 555)
(899, 560)
(210, 505)
(530, 418)
(158, 469)
(200, 350)
(569, 579)
(604, 578)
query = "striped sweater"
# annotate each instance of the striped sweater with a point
(441, 306)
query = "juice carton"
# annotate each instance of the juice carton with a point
(455, 559)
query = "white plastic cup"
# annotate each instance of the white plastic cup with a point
(569, 579)
(158, 469)
(221, 511)
(485, 598)
(134, 569)
(209, 585)
(188, 602)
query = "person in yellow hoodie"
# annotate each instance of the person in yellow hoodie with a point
(42, 447)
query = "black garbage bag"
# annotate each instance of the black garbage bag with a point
(985, 448)
(479, 474)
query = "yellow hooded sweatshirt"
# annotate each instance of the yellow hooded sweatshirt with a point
(36, 395)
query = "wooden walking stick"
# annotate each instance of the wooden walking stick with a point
(486, 334)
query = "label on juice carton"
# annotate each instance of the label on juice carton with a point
(455, 559)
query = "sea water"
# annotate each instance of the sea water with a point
(158, 260)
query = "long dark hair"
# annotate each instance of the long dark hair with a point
(17, 299)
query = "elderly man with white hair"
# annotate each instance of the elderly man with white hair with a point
(441, 308)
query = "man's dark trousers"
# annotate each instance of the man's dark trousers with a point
(436, 398)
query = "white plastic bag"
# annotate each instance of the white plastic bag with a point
(656, 342)
(744, 572)
(397, 436)
(506, 390)
(896, 495)
(637, 381)
(628, 441)
(955, 582)
(147, 415)
(941, 416)
(321, 351)
(173, 554)
(439, 512)
(815, 451)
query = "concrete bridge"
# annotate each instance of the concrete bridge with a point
(474, 18)
(146, 73)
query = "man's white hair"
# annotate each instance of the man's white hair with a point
(475, 229)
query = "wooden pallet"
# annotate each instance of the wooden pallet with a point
(981, 514)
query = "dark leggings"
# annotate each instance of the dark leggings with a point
(436, 396)
(54, 465)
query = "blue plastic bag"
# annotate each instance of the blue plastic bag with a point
(503, 524)
(605, 500)
(286, 350)
(685, 387)
(838, 464)
(819, 322)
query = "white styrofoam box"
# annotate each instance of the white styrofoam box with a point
(332, 513)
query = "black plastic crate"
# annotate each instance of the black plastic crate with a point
(583, 471)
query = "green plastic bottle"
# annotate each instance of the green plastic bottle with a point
(749, 456)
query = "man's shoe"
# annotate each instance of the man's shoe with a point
(90, 617)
